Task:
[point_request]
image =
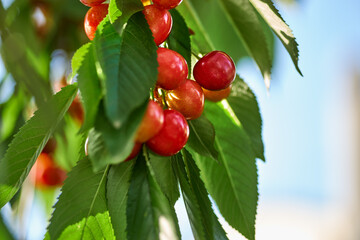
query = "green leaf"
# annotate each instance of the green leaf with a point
(29, 142)
(10, 114)
(272, 16)
(4, 231)
(82, 196)
(203, 220)
(202, 137)
(232, 182)
(89, 85)
(248, 27)
(165, 176)
(79, 57)
(107, 43)
(149, 214)
(117, 194)
(244, 104)
(179, 38)
(121, 10)
(108, 145)
(97, 227)
(137, 70)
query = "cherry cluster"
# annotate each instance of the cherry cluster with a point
(166, 132)
(46, 173)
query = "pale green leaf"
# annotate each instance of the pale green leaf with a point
(29, 142)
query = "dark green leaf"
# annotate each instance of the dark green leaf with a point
(272, 16)
(97, 227)
(165, 176)
(79, 57)
(203, 220)
(29, 142)
(82, 196)
(108, 145)
(248, 27)
(232, 182)
(149, 214)
(244, 104)
(121, 10)
(138, 68)
(89, 84)
(179, 38)
(107, 44)
(202, 137)
(117, 194)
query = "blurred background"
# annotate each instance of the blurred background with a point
(309, 186)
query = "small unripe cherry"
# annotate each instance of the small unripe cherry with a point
(160, 22)
(93, 18)
(135, 151)
(167, 4)
(152, 122)
(92, 3)
(217, 96)
(215, 71)
(172, 136)
(188, 99)
(172, 70)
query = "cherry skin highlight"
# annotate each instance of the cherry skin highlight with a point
(172, 136)
(152, 122)
(92, 3)
(188, 99)
(160, 22)
(167, 4)
(93, 17)
(215, 71)
(173, 69)
(217, 96)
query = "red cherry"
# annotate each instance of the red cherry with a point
(93, 17)
(160, 22)
(167, 4)
(45, 173)
(50, 146)
(173, 69)
(76, 110)
(172, 136)
(135, 151)
(151, 123)
(216, 96)
(92, 3)
(188, 99)
(215, 71)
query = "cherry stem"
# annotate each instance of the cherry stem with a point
(196, 55)
(163, 98)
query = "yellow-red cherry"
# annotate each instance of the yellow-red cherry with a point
(172, 136)
(215, 71)
(160, 22)
(93, 18)
(188, 99)
(167, 4)
(152, 122)
(92, 3)
(172, 69)
(216, 96)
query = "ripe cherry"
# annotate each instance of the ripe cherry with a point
(76, 110)
(160, 22)
(152, 122)
(172, 136)
(50, 146)
(135, 151)
(45, 173)
(92, 3)
(167, 4)
(188, 99)
(216, 96)
(93, 17)
(173, 69)
(215, 71)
